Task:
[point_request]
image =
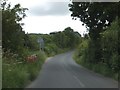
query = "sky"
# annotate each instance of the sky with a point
(45, 16)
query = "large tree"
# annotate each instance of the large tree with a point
(95, 15)
(12, 34)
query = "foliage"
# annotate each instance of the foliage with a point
(103, 40)
(33, 44)
(66, 39)
(51, 49)
(57, 42)
(108, 64)
(82, 50)
(109, 42)
(96, 21)
(12, 27)
(95, 18)
(16, 47)
(17, 74)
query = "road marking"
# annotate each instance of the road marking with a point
(81, 84)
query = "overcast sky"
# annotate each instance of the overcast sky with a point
(45, 16)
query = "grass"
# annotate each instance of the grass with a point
(19, 74)
(98, 68)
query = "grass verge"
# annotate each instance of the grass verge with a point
(98, 68)
(16, 74)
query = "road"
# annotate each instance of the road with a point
(61, 71)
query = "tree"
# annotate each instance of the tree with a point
(66, 39)
(12, 34)
(95, 15)
(73, 37)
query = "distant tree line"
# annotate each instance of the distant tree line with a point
(56, 42)
(67, 38)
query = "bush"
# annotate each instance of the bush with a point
(109, 43)
(81, 52)
(18, 74)
(102, 55)
(51, 49)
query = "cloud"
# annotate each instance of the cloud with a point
(44, 7)
(45, 16)
(47, 24)
(50, 8)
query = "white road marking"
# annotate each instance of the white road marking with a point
(81, 84)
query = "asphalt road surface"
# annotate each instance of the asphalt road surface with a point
(61, 71)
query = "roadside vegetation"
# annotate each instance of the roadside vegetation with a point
(99, 49)
(18, 73)
(109, 64)
(22, 57)
(59, 42)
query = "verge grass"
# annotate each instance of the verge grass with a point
(19, 74)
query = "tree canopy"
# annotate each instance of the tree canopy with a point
(12, 34)
(95, 15)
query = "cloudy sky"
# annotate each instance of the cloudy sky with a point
(45, 16)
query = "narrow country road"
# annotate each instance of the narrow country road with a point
(61, 71)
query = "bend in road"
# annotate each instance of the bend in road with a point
(61, 71)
